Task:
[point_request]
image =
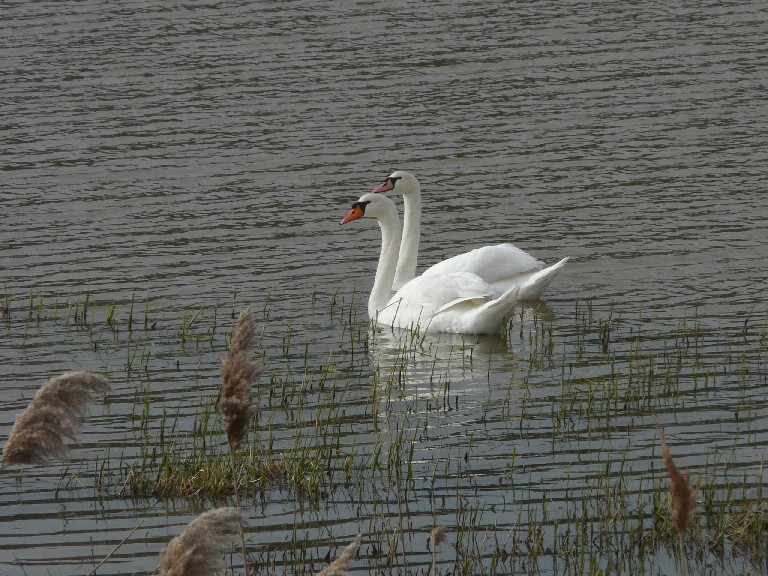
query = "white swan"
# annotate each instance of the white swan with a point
(502, 265)
(450, 302)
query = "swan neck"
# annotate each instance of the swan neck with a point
(385, 271)
(409, 249)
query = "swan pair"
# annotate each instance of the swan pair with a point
(473, 292)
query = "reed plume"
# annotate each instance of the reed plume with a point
(198, 551)
(339, 566)
(55, 414)
(680, 488)
(683, 500)
(436, 537)
(238, 373)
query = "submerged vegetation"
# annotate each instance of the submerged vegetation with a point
(539, 451)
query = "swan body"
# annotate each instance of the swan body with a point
(453, 301)
(502, 265)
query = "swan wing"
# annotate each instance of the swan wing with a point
(426, 296)
(491, 263)
(442, 289)
(453, 302)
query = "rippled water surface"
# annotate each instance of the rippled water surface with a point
(181, 162)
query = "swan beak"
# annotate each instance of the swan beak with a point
(387, 186)
(354, 214)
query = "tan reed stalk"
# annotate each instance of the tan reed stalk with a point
(198, 550)
(436, 537)
(238, 373)
(115, 549)
(683, 499)
(339, 566)
(55, 413)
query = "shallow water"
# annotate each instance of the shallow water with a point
(201, 156)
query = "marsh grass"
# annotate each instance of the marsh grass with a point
(5, 305)
(608, 373)
(533, 449)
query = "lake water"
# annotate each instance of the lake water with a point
(200, 156)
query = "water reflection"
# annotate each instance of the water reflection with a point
(425, 364)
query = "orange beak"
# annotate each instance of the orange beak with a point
(354, 214)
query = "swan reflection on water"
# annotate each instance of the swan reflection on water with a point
(424, 364)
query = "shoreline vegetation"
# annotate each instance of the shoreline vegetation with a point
(341, 428)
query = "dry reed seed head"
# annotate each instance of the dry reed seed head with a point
(242, 337)
(683, 498)
(199, 549)
(38, 436)
(237, 415)
(238, 373)
(437, 536)
(340, 565)
(55, 412)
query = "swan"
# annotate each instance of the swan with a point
(501, 265)
(448, 302)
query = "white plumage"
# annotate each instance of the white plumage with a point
(501, 265)
(450, 301)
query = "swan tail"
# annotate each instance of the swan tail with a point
(535, 286)
(458, 301)
(490, 316)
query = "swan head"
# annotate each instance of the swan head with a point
(399, 182)
(371, 206)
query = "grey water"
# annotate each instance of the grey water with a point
(200, 155)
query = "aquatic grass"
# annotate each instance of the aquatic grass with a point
(180, 472)
(415, 442)
(199, 467)
(5, 305)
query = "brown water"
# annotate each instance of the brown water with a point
(201, 155)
